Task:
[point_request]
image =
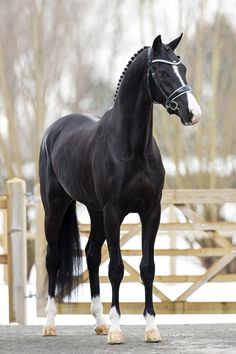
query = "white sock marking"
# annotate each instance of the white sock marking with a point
(115, 320)
(51, 311)
(97, 311)
(150, 322)
(193, 105)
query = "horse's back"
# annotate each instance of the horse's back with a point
(65, 128)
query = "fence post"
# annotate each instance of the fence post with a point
(17, 250)
(172, 235)
(40, 248)
(5, 243)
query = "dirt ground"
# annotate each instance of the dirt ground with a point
(191, 339)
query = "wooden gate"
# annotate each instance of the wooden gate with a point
(186, 203)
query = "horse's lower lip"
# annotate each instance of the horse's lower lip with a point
(187, 124)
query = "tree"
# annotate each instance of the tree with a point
(205, 160)
(48, 52)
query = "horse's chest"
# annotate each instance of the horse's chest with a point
(138, 191)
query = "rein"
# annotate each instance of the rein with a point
(170, 99)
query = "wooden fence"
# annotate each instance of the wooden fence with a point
(194, 224)
(13, 205)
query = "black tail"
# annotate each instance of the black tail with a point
(70, 267)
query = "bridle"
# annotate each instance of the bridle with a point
(170, 102)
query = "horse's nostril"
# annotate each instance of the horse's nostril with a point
(191, 117)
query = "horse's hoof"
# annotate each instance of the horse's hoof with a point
(152, 335)
(49, 330)
(115, 337)
(102, 330)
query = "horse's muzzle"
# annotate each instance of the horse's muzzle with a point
(196, 118)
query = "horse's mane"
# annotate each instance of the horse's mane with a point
(127, 66)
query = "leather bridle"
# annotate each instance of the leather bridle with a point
(170, 102)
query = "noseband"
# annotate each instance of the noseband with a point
(169, 99)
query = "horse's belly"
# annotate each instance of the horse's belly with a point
(81, 190)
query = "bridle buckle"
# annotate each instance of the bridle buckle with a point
(172, 105)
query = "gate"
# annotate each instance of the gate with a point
(184, 219)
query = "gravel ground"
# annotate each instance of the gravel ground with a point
(191, 339)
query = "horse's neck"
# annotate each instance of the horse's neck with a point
(132, 115)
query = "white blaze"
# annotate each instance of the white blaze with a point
(193, 106)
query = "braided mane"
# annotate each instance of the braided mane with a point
(127, 66)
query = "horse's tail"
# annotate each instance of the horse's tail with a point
(70, 266)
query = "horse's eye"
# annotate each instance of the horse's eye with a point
(162, 74)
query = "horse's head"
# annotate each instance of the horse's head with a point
(167, 82)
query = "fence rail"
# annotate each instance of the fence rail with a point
(202, 196)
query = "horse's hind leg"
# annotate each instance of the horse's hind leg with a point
(53, 222)
(55, 202)
(93, 254)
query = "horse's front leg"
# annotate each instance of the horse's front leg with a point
(150, 223)
(112, 223)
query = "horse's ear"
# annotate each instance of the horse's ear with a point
(156, 45)
(173, 45)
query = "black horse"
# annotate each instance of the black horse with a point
(114, 167)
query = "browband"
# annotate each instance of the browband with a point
(174, 62)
